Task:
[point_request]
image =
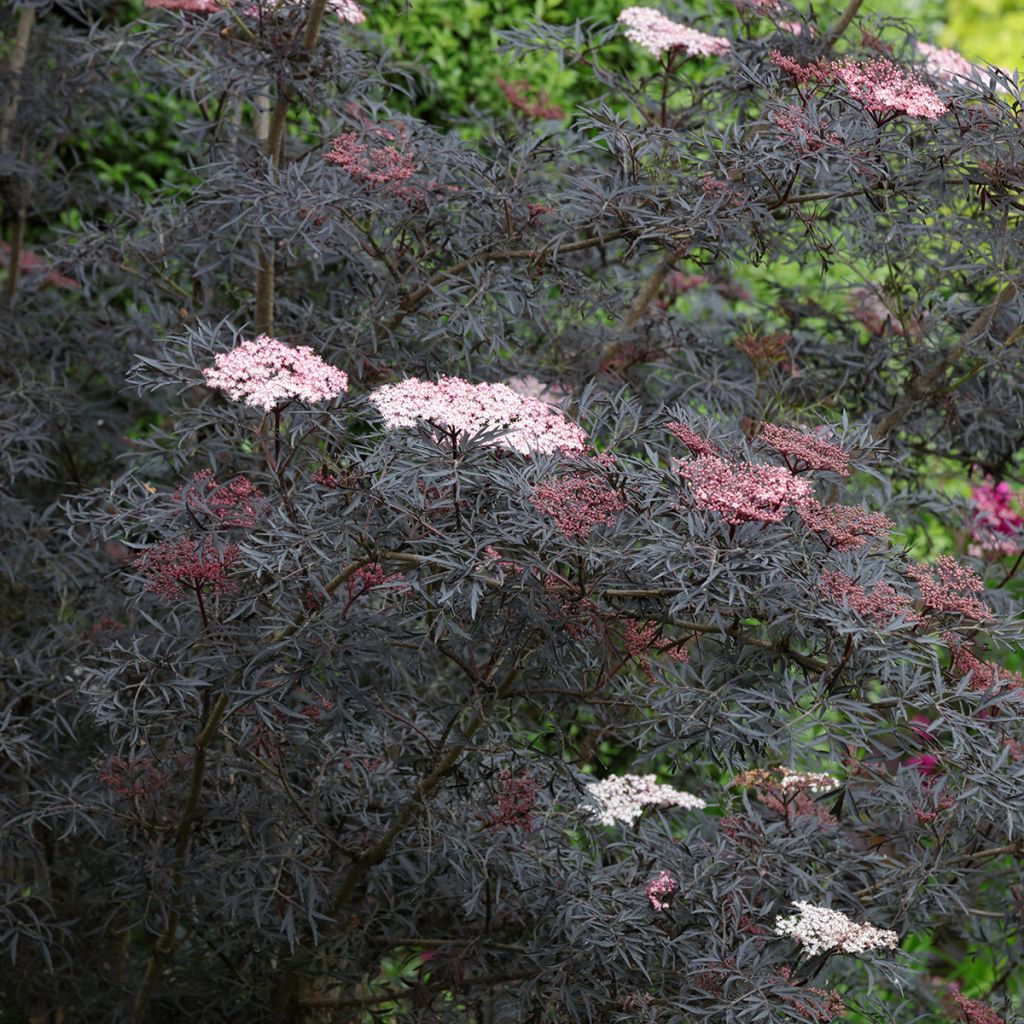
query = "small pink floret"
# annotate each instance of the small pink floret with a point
(662, 890)
(266, 374)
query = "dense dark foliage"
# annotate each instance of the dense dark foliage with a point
(306, 676)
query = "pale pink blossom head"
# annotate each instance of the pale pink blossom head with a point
(945, 65)
(947, 586)
(654, 32)
(526, 425)
(267, 374)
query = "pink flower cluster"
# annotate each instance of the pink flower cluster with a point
(662, 890)
(368, 578)
(697, 444)
(578, 503)
(173, 565)
(622, 798)
(883, 87)
(807, 450)
(641, 637)
(188, 6)
(974, 1011)
(879, 85)
(377, 166)
(655, 33)
(820, 929)
(528, 425)
(847, 525)
(947, 586)
(997, 526)
(267, 374)
(346, 10)
(743, 492)
(883, 604)
(516, 799)
(789, 793)
(231, 504)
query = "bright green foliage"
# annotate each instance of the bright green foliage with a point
(992, 30)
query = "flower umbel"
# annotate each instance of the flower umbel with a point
(451, 403)
(745, 492)
(656, 33)
(578, 504)
(662, 890)
(820, 929)
(175, 568)
(622, 798)
(266, 374)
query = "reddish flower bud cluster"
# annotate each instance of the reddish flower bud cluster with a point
(188, 6)
(697, 444)
(790, 794)
(803, 136)
(767, 348)
(231, 504)
(655, 33)
(946, 586)
(743, 492)
(516, 800)
(883, 604)
(518, 94)
(808, 450)
(985, 675)
(974, 1011)
(827, 1007)
(368, 578)
(267, 374)
(378, 166)
(924, 817)
(133, 778)
(640, 637)
(325, 479)
(174, 566)
(662, 890)
(578, 503)
(847, 525)
(527, 424)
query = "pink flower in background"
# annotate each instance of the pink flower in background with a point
(662, 890)
(528, 425)
(656, 33)
(883, 87)
(743, 492)
(32, 264)
(997, 526)
(803, 137)
(531, 387)
(926, 764)
(808, 449)
(266, 373)
(517, 797)
(947, 586)
(945, 65)
(347, 10)
(578, 503)
(174, 568)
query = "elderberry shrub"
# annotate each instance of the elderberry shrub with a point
(510, 579)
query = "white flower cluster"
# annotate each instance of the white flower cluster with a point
(624, 797)
(819, 929)
(816, 782)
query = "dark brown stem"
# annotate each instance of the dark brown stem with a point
(265, 273)
(183, 834)
(843, 23)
